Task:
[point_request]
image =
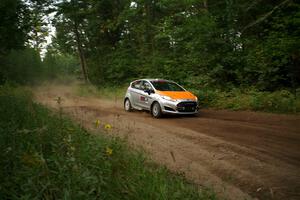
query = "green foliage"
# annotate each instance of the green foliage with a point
(22, 29)
(46, 156)
(22, 66)
(56, 65)
(200, 44)
(13, 25)
(25, 66)
(109, 92)
(282, 101)
(37, 20)
(228, 44)
(273, 62)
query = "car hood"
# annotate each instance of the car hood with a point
(178, 95)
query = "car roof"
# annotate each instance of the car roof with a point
(152, 79)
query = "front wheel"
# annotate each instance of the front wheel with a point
(156, 110)
(127, 105)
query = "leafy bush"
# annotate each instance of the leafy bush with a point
(282, 101)
(46, 156)
(57, 65)
(21, 66)
(104, 92)
(279, 101)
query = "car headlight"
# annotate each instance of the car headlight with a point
(168, 98)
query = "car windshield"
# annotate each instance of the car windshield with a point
(166, 86)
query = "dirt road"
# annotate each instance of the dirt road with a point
(241, 155)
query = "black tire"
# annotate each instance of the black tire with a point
(156, 110)
(127, 105)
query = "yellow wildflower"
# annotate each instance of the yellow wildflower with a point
(97, 123)
(108, 126)
(108, 151)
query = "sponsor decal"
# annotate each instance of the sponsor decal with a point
(142, 98)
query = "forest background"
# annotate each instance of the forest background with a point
(232, 54)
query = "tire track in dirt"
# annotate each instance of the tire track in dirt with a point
(241, 155)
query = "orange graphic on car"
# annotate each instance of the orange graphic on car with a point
(178, 95)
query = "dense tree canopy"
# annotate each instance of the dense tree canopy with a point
(199, 43)
(20, 26)
(225, 43)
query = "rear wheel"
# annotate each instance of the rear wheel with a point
(156, 110)
(127, 105)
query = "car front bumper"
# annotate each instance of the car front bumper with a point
(183, 107)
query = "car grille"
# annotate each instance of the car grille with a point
(187, 106)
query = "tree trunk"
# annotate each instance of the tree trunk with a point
(205, 4)
(81, 53)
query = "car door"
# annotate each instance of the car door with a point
(135, 91)
(145, 98)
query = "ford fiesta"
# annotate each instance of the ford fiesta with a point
(159, 97)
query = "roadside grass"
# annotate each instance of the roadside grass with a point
(108, 92)
(44, 155)
(282, 101)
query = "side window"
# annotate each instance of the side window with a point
(143, 85)
(147, 86)
(136, 85)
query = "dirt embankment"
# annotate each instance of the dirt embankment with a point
(241, 155)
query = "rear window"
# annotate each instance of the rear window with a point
(166, 86)
(136, 85)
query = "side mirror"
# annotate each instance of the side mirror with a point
(149, 91)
